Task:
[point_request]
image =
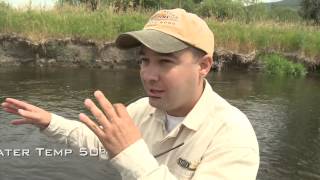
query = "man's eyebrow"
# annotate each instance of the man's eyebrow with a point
(170, 55)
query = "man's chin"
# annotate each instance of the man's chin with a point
(156, 102)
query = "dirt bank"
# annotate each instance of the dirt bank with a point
(20, 51)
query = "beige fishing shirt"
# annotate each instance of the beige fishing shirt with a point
(219, 142)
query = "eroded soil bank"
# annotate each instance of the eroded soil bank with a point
(20, 51)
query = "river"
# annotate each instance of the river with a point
(284, 112)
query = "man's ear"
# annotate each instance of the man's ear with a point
(205, 65)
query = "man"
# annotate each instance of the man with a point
(182, 130)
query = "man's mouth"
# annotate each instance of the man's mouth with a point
(155, 93)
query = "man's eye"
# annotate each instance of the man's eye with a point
(165, 61)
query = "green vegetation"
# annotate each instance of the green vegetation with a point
(236, 27)
(282, 37)
(69, 22)
(240, 10)
(279, 65)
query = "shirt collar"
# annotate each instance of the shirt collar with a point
(198, 113)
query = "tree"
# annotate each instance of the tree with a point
(310, 10)
(220, 9)
(93, 4)
(249, 7)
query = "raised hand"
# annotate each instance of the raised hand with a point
(116, 130)
(30, 114)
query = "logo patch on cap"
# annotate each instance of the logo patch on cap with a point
(163, 17)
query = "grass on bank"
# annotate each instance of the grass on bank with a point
(278, 65)
(105, 25)
(282, 37)
(69, 22)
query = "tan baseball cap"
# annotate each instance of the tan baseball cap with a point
(169, 31)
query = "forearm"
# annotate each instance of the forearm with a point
(72, 133)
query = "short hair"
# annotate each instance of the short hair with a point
(196, 52)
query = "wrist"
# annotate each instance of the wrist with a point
(46, 122)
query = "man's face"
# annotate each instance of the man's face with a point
(172, 81)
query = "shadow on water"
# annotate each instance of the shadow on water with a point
(284, 113)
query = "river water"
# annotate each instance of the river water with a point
(283, 111)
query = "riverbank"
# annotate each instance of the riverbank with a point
(85, 37)
(16, 50)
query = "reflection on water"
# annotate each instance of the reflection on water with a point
(284, 113)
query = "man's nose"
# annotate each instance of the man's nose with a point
(150, 73)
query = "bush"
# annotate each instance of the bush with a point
(279, 65)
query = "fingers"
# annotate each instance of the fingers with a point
(121, 110)
(8, 105)
(105, 105)
(118, 130)
(19, 104)
(20, 121)
(11, 110)
(97, 113)
(28, 115)
(14, 109)
(91, 125)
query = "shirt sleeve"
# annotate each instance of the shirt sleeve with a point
(225, 164)
(72, 133)
(136, 162)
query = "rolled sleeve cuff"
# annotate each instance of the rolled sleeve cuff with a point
(135, 160)
(59, 125)
(53, 125)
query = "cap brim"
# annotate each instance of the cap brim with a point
(155, 40)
